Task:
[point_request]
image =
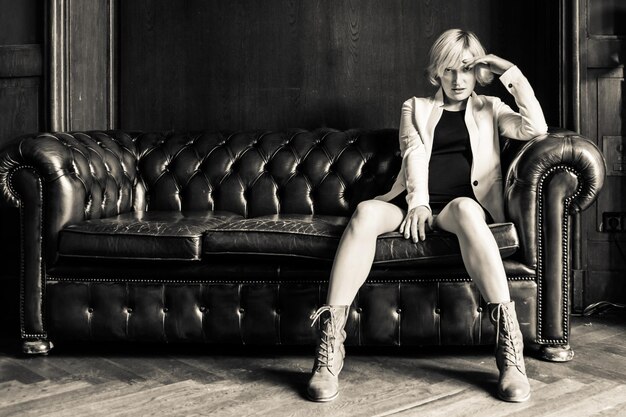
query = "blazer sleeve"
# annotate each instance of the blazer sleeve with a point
(530, 121)
(414, 158)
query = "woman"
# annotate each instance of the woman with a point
(451, 180)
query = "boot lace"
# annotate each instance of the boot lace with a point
(511, 353)
(326, 348)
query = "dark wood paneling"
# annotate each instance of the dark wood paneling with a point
(20, 21)
(603, 115)
(609, 122)
(609, 256)
(21, 67)
(605, 252)
(274, 64)
(527, 33)
(606, 53)
(603, 285)
(88, 37)
(19, 106)
(606, 17)
(20, 90)
(20, 61)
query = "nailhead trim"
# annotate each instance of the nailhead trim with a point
(565, 260)
(23, 332)
(214, 281)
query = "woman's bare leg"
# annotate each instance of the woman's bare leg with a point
(466, 219)
(357, 248)
(352, 264)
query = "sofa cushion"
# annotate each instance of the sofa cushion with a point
(141, 235)
(294, 235)
(440, 248)
(317, 237)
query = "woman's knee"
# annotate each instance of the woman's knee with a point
(466, 210)
(366, 217)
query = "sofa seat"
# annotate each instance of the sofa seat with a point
(317, 237)
(192, 235)
(170, 235)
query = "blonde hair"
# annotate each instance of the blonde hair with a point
(447, 51)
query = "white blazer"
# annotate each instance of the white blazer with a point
(486, 119)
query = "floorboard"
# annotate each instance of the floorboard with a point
(131, 380)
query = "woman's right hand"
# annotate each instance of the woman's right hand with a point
(417, 222)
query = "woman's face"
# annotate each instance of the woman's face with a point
(458, 81)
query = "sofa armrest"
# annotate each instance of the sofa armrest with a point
(551, 178)
(56, 179)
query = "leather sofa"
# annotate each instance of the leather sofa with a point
(223, 237)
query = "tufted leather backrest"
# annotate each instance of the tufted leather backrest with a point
(259, 173)
(63, 178)
(97, 168)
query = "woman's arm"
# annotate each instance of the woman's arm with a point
(530, 121)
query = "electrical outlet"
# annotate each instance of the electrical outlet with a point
(614, 221)
(614, 150)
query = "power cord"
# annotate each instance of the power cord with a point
(599, 308)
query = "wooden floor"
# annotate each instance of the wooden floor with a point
(199, 380)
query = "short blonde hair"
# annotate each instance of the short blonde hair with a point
(447, 51)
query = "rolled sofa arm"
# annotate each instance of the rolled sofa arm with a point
(56, 179)
(551, 177)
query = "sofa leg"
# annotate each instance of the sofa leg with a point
(556, 353)
(36, 346)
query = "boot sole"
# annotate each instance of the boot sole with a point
(513, 399)
(322, 400)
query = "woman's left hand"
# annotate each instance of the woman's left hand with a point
(492, 62)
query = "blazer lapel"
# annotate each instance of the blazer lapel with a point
(433, 119)
(472, 116)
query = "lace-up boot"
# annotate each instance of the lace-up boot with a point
(324, 383)
(513, 385)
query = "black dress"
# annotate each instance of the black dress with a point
(450, 166)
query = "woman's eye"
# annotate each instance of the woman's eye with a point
(467, 69)
(448, 69)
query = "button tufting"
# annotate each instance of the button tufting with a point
(241, 310)
(475, 183)
(510, 85)
(278, 311)
(129, 310)
(165, 309)
(90, 310)
(437, 310)
(480, 309)
(202, 309)
(399, 310)
(359, 310)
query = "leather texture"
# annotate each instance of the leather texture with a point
(103, 183)
(141, 235)
(253, 174)
(318, 237)
(549, 179)
(442, 312)
(236, 268)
